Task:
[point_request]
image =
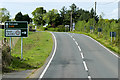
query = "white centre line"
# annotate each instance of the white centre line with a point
(76, 43)
(84, 63)
(79, 48)
(85, 66)
(82, 55)
(89, 77)
(73, 39)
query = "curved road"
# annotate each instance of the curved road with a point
(78, 56)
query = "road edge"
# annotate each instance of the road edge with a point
(102, 46)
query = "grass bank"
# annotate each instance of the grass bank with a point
(36, 48)
(107, 43)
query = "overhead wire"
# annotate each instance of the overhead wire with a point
(109, 2)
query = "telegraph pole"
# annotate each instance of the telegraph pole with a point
(71, 21)
(95, 7)
(94, 15)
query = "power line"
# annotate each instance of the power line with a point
(110, 2)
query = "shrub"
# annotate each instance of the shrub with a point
(61, 28)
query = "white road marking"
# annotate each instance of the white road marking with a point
(73, 39)
(79, 48)
(76, 43)
(50, 59)
(103, 46)
(89, 77)
(85, 66)
(84, 63)
(82, 55)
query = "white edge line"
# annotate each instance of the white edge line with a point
(50, 59)
(85, 66)
(102, 46)
(82, 56)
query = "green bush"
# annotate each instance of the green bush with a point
(51, 29)
(45, 28)
(61, 28)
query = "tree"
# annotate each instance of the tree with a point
(27, 18)
(63, 12)
(52, 17)
(19, 16)
(4, 15)
(38, 16)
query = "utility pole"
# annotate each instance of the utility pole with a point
(94, 15)
(95, 7)
(71, 21)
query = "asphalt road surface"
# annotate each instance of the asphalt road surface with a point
(78, 56)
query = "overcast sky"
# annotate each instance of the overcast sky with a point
(108, 7)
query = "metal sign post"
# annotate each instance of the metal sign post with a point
(21, 47)
(111, 37)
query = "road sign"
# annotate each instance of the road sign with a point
(16, 29)
(112, 34)
(99, 29)
(91, 27)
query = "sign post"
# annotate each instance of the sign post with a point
(21, 47)
(99, 31)
(16, 29)
(113, 34)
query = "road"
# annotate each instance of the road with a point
(78, 56)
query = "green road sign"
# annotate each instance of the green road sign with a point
(16, 29)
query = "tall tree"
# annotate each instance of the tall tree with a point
(26, 18)
(52, 17)
(63, 12)
(38, 16)
(4, 15)
(19, 16)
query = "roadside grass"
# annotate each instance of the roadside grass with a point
(36, 48)
(106, 43)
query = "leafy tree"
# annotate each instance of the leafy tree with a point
(63, 12)
(19, 16)
(38, 16)
(4, 15)
(27, 18)
(52, 17)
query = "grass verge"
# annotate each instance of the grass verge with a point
(106, 43)
(36, 48)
